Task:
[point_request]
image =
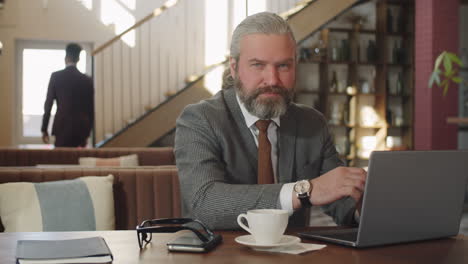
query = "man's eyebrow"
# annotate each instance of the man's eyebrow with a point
(256, 60)
(278, 62)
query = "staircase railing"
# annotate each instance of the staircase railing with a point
(156, 12)
(126, 76)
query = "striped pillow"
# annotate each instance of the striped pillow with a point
(123, 161)
(82, 204)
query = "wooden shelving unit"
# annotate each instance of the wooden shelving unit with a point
(370, 106)
(457, 120)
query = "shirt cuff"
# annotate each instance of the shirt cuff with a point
(286, 197)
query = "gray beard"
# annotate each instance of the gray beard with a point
(267, 108)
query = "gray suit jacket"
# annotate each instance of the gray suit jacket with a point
(217, 160)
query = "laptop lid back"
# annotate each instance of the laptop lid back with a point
(412, 195)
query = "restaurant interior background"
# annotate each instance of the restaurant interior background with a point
(367, 69)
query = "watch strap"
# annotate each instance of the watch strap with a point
(305, 201)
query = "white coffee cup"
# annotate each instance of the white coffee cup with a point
(266, 225)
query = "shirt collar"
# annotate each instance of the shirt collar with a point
(249, 118)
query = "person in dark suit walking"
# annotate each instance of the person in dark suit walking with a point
(73, 92)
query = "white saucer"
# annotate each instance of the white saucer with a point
(248, 240)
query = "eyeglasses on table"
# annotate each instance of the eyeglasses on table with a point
(169, 225)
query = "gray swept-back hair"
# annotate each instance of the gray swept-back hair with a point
(263, 23)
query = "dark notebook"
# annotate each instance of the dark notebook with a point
(84, 250)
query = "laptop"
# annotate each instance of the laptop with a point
(409, 196)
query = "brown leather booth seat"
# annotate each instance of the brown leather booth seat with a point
(31, 157)
(139, 193)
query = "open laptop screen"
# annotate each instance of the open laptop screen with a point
(411, 196)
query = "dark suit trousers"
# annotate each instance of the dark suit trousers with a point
(69, 141)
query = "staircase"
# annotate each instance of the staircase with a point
(160, 120)
(138, 117)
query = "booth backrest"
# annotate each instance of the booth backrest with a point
(32, 157)
(139, 193)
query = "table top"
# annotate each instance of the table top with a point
(124, 246)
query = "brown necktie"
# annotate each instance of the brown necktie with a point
(265, 168)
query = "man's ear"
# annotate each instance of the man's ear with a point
(232, 66)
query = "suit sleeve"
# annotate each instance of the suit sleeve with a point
(342, 211)
(207, 192)
(48, 103)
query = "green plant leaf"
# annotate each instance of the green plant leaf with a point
(449, 74)
(434, 78)
(456, 79)
(446, 86)
(437, 78)
(454, 58)
(447, 64)
(439, 60)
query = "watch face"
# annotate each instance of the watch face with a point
(302, 186)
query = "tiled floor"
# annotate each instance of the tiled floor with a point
(318, 218)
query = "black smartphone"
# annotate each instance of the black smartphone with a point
(189, 242)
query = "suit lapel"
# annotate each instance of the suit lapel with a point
(287, 145)
(244, 131)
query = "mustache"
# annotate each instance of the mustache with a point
(271, 89)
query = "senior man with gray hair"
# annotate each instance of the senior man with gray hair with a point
(251, 147)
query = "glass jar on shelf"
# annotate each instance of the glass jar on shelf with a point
(336, 113)
(335, 50)
(334, 83)
(341, 87)
(365, 87)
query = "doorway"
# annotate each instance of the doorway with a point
(37, 60)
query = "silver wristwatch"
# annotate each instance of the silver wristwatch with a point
(303, 189)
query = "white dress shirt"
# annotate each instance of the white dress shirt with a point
(287, 189)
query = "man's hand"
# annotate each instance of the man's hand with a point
(359, 206)
(338, 183)
(45, 137)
